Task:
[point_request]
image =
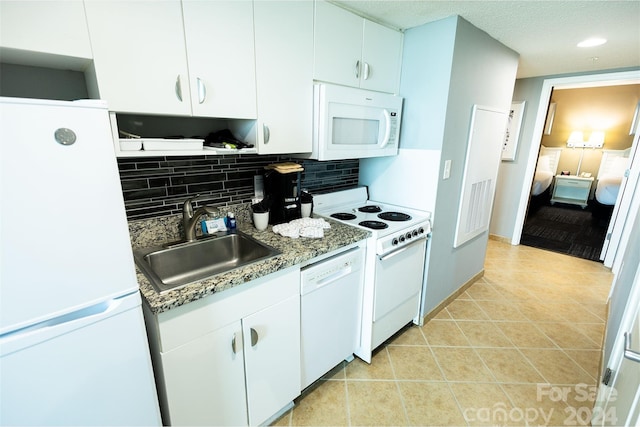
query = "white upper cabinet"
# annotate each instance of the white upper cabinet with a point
(44, 27)
(338, 45)
(139, 56)
(148, 60)
(354, 51)
(381, 58)
(284, 75)
(220, 52)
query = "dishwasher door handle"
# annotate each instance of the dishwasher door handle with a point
(334, 276)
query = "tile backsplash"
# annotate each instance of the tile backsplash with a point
(157, 186)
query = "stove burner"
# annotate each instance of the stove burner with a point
(375, 225)
(394, 216)
(370, 209)
(343, 216)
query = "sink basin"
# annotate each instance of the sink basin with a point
(175, 266)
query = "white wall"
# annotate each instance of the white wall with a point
(511, 174)
(483, 73)
(411, 178)
(425, 81)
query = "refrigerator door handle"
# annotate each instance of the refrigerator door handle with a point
(31, 335)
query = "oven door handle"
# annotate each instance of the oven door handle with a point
(418, 240)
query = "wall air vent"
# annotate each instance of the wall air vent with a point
(488, 126)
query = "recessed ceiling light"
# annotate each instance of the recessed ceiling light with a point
(594, 41)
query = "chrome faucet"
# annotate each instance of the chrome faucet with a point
(190, 218)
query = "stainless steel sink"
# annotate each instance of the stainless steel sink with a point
(174, 266)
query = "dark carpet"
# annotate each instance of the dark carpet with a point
(565, 229)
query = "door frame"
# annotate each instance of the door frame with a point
(616, 352)
(626, 203)
(581, 81)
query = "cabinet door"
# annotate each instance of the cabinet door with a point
(381, 58)
(57, 27)
(284, 74)
(337, 44)
(272, 358)
(139, 55)
(204, 380)
(221, 57)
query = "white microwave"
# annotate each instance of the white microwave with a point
(354, 123)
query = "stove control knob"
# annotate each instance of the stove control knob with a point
(394, 241)
(414, 233)
(420, 230)
(408, 235)
(402, 238)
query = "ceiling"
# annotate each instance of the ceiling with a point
(544, 33)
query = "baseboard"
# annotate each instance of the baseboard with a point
(453, 296)
(604, 338)
(500, 239)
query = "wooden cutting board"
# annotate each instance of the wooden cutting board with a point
(286, 167)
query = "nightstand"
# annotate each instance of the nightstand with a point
(571, 189)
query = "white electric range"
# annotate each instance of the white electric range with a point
(394, 262)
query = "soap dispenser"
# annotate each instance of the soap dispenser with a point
(231, 221)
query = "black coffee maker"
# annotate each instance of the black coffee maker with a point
(282, 188)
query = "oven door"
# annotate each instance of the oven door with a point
(398, 278)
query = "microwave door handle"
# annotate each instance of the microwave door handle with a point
(387, 128)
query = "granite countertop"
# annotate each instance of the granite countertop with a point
(294, 251)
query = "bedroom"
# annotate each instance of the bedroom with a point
(586, 140)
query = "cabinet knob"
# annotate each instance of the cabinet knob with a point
(233, 344)
(254, 337)
(357, 69)
(178, 88)
(202, 91)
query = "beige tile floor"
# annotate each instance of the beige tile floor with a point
(521, 346)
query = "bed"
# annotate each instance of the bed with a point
(610, 173)
(546, 169)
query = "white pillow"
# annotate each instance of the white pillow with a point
(544, 163)
(618, 165)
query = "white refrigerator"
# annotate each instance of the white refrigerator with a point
(73, 347)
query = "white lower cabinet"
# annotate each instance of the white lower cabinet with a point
(204, 380)
(271, 341)
(232, 358)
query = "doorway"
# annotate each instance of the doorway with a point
(585, 81)
(587, 139)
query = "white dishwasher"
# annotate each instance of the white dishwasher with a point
(331, 309)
